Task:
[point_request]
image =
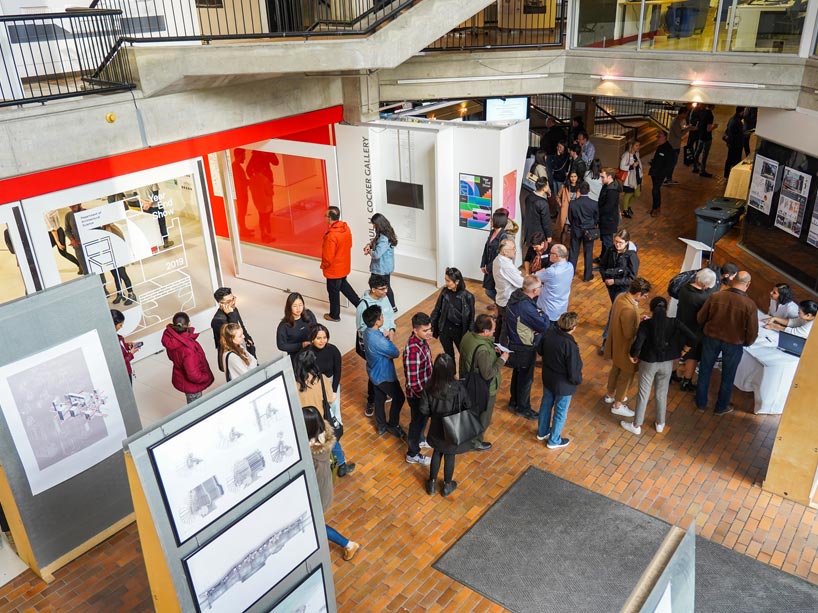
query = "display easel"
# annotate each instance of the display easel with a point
(692, 261)
(58, 524)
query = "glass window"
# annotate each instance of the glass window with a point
(147, 246)
(11, 279)
(281, 200)
(766, 26)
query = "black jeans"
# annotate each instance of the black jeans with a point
(394, 391)
(656, 190)
(607, 241)
(450, 338)
(448, 466)
(733, 158)
(500, 323)
(63, 252)
(416, 426)
(121, 280)
(521, 381)
(389, 293)
(673, 161)
(336, 287)
(588, 250)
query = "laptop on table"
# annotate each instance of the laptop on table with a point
(789, 343)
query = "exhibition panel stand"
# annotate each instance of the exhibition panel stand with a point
(67, 405)
(227, 504)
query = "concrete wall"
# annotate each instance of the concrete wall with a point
(67, 132)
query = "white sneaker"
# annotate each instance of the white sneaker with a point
(543, 438)
(660, 427)
(628, 425)
(418, 459)
(425, 445)
(623, 411)
(611, 399)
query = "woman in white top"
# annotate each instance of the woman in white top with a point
(632, 164)
(236, 360)
(797, 326)
(593, 178)
(782, 302)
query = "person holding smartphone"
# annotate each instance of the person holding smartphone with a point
(128, 349)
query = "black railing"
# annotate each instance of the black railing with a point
(204, 20)
(61, 55)
(606, 123)
(507, 25)
(557, 106)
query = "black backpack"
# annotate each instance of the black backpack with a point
(476, 386)
(684, 278)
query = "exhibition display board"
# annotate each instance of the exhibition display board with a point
(66, 405)
(781, 225)
(436, 181)
(227, 502)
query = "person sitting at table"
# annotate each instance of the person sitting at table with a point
(797, 326)
(782, 302)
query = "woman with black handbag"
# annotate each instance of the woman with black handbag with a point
(315, 389)
(453, 423)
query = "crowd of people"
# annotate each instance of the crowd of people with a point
(452, 395)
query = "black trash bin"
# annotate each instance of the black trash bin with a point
(716, 218)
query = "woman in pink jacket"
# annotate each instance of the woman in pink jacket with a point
(191, 372)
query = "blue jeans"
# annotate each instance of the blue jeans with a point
(559, 406)
(730, 358)
(336, 537)
(339, 453)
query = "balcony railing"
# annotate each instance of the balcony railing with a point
(205, 20)
(529, 23)
(60, 55)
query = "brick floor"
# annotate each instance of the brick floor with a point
(702, 469)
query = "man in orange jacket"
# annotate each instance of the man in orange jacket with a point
(335, 263)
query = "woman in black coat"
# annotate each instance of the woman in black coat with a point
(445, 395)
(453, 314)
(293, 332)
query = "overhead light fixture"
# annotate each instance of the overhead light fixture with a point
(606, 77)
(513, 77)
(689, 83)
(726, 84)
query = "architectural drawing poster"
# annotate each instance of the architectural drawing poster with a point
(249, 558)
(792, 202)
(208, 468)
(62, 411)
(762, 184)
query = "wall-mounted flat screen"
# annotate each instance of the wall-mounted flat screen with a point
(400, 193)
(505, 109)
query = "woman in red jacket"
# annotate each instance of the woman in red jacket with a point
(191, 372)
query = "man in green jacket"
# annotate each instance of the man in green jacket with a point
(479, 346)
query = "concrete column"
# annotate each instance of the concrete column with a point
(361, 100)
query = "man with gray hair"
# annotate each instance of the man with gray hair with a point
(525, 325)
(729, 323)
(556, 283)
(691, 299)
(507, 278)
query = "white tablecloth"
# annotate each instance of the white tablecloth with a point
(766, 371)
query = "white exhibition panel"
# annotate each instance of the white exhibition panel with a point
(432, 154)
(34, 210)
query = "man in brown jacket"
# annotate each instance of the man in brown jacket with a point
(621, 334)
(729, 321)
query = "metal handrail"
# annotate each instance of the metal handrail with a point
(50, 56)
(503, 25)
(612, 119)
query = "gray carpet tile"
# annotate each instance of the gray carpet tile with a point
(551, 545)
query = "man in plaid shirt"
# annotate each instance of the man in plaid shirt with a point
(417, 369)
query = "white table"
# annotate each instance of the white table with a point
(766, 371)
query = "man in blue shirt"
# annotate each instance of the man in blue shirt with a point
(588, 154)
(377, 294)
(380, 353)
(556, 283)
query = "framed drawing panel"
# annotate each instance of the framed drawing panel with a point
(220, 460)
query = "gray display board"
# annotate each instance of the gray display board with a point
(65, 399)
(232, 493)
